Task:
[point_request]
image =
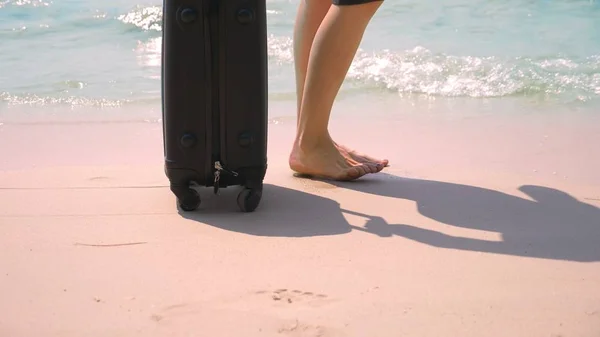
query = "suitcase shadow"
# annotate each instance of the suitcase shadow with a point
(543, 223)
(283, 212)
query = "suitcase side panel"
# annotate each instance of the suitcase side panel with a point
(244, 87)
(186, 99)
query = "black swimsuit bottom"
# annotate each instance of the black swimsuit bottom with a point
(351, 2)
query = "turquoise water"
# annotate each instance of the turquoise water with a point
(107, 53)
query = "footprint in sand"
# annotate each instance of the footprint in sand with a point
(291, 297)
(279, 298)
(300, 329)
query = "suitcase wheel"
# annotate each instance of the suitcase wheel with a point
(190, 201)
(249, 198)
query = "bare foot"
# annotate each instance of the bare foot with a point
(360, 157)
(329, 162)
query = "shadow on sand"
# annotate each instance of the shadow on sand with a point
(553, 225)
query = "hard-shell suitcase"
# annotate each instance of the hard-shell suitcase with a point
(214, 91)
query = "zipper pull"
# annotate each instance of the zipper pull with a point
(218, 169)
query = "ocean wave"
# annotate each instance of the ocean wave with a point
(279, 49)
(31, 3)
(418, 71)
(73, 101)
(421, 71)
(149, 18)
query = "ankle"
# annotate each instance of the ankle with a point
(306, 142)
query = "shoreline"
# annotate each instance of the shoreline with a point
(355, 102)
(463, 136)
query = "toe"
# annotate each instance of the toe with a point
(348, 174)
(352, 173)
(362, 158)
(373, 168)
(362, 169)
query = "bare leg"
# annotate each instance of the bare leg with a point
(308, 19)
(330, 56)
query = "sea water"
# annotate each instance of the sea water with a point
(106, 53)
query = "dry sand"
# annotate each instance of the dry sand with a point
(481, 227)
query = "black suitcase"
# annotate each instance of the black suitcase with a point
(214, 98)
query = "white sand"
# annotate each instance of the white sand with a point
(481, 227)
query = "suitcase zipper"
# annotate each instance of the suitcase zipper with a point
(213, 21)
(211, 43)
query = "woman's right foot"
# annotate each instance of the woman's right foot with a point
(360, 157)
(328, 161)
